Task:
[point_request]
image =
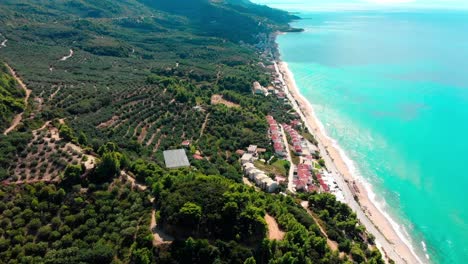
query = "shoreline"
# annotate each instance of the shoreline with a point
(388, 236)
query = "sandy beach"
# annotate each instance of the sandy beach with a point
(388, 237)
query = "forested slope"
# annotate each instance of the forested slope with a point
(11, 97)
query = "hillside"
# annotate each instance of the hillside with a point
(116, 83)
(11, 98)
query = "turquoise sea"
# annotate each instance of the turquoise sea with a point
(392, 89)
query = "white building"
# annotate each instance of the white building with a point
(259, 177)
(252, 149)
(259, 89)
(246, 158)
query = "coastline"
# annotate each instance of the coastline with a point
(388, 237)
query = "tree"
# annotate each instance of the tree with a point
(357, 254)
(108, 167)
(250, 260)
(345, 246)
(82, 139)
(108, 147)
(72, 174)
(99, 253)
(142, 256)
(34, 224)
(44, 232)
(66, 133)
(321, 162)
(189, 215)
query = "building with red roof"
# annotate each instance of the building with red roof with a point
(279, 149)
(198, 157)
(186, 143)
(276, 138)
(240, 152)
(298, 149)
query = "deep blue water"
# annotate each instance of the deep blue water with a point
(392, 89)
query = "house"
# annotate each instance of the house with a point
(257, 86)
(299, 185)
(313, 188)
(247, 166)
(274, 126)
(252, 149)
(261, 150)
(298, 150)
(250, 171)
(259, 177)
(325, 187)
(280, 179)
(296, 123)
(268, 184)
(240, 152)
(259, 89)
(271, 187)
(279, 149)
(198, 157)
(247, 157)
(254, 174)
(275, 138)
(186, 143)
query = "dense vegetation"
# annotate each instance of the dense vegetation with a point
(43, 223)
(11, 98)
(140, 81)
(9, 147)
(219, 221)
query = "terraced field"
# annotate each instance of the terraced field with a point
(47, 156)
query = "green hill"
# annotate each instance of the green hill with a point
(11, 98)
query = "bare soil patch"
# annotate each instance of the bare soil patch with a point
(218, 99)
(159, 237)
(274, 232)
(109, 122)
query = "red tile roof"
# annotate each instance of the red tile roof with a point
(278, 146)
(312, 188)
(240, 152)
(198, 157)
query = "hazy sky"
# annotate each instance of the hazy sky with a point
(358, 4)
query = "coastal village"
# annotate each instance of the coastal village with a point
(296, 164)
(291, 142)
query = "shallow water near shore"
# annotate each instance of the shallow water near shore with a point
(392, 89)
